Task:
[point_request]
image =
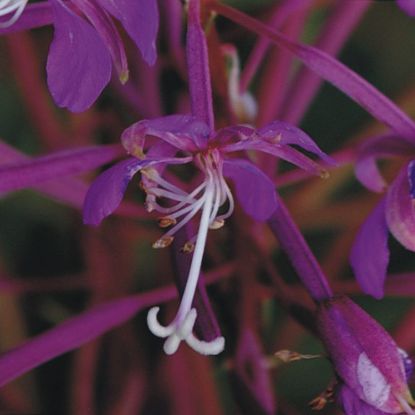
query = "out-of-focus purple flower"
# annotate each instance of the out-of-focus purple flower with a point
(366, 359)
(408, 6)
(209, 151)
(85, 42)
(395, 212)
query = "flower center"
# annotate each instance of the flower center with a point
(14, 8)
(208, 197)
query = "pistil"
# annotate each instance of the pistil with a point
(215, 194)
(11, 6)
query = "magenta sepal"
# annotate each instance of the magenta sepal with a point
(75, 332)
(27, 173)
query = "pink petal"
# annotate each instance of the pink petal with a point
(27, 173)
(140, 20)
(369, 257)
(400, 212)
(255, 191)
(384, 146)
(79, 64)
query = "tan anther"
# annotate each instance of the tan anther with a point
(321, 401)
(149, 207)
(149, 172)
(137, 151)
(217, 224)
(166, 222)
(288, 356)
(324, 174)
(277, 139)
(317, 404)
(188, 248)
(163, 242)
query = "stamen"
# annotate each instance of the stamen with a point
(156, 191)
(11, 6)
(154, 176)
(166, 222)
(216, 224)
(188, 248)
(163, 242)
(405, 405)
(189, 199)
(231, 203)
(194, 209)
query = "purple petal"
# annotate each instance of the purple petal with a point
(284, 152)
(411, 178)
(75, 332)
(198, 66)
(233, 132)
(332, 71)
(369, 257)
(408, 6)
(105, 27)
(68, 190)
(384, 146)
(181, 131)
(34, 15)
(79, 65)
(255, 191)
(353, 405)
(140, 19)
(107, 191)
(400, 213)
(27, 173)
(284, 133)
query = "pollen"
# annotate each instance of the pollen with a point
(166, 222)
(188, 248)
(163, 242)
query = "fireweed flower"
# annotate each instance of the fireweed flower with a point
(85, 42)
(395, 211)
(368, 361)
(209, 151)
(197, 142)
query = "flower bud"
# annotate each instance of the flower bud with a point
(364, 355)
